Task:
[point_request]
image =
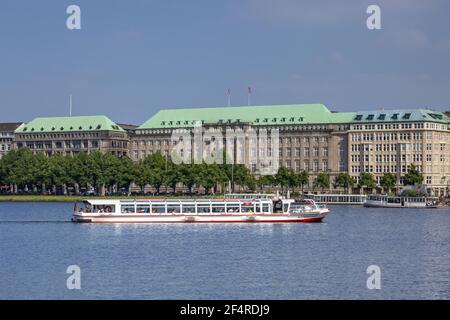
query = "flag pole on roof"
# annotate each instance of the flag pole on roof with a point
(70, 105)
(249, 92)
(229, 96)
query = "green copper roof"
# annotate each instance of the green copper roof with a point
(400, 115)
(69, 124)
(258, 115)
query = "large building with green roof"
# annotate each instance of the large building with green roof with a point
(70, 135)
(315, 139)
(309, 137)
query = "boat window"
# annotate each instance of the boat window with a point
(247, 208)
(277, 207)
(218, 208)
(104, 208)
(188, 208)
(265, 208)
(158, 208)
(173, 208)
(143, 208)
(285, 207)
(203, 208)
(233, 208)
(127, 208)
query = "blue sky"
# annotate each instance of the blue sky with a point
(132, 58)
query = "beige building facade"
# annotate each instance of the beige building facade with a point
(71, 135)
(314, 139)
(7, 136)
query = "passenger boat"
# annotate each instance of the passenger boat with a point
(345, 199)
(383, 201)
(205, 210)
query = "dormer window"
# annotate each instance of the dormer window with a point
(358, 117)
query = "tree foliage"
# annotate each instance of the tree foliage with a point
(344, 180)
(322, 181)
(388, 181)
(413, 176)
(366, 180)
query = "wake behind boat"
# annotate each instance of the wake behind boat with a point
(204, 210)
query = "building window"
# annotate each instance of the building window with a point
(306, 165)
(324, 165)
(316, 151)
(316, 166)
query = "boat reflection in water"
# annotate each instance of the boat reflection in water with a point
(234, 209)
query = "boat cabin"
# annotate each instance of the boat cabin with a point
(185, 207)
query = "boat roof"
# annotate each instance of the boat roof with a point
(174, 201)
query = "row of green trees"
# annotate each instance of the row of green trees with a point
(106, 173)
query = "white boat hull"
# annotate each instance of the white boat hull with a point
(198, 218)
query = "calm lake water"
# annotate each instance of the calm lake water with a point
(225, 261)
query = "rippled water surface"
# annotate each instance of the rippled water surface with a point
(225, 261)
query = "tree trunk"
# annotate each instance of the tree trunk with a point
(102, 190)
